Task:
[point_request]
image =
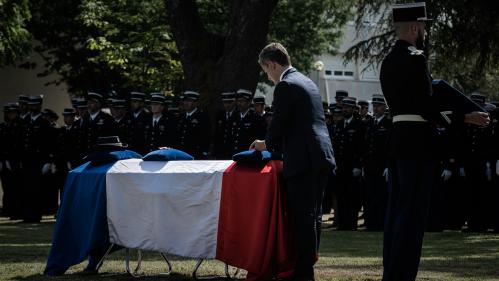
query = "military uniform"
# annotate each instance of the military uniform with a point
(80, 127)
(248, 126)
(193, 131)
(225, 124)
(140, 119)
(407, 87)
(99, 124)
(375, 169)
(476, 153)
(10, 172)
(347, 146)
(37, 152)
(160, 129)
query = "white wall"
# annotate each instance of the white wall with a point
(14, 81)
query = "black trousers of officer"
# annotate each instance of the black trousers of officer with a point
(304, 193)
(32, 191)
(348, 193)
(410, 184)
(478, 214)
(376, 198)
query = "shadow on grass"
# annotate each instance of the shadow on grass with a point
(460, 255)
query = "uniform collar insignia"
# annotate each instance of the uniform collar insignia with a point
(415, 51)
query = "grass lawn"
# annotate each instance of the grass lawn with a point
(351, 256)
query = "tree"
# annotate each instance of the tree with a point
(15, 40)
(464, 39)
(215, 62)
(106, 45)
(134, 40)
(219, 40)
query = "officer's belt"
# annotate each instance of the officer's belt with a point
(408, 118)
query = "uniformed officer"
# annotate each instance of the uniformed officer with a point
(193, 128)
(376, 166)
(349, 166)
(10, 169)
(340, 95)
(81, 124)
(24, 113)
(50, 181)
(495, 163)
(407, 87)
(122, 121)
(249, 125)
(226, 122)
(160, 130)
(37, 156)
(259, 105)
(69, 157)
(365, 116)
(140, 119)
(335, 133)
(99, 123)
(476, 152)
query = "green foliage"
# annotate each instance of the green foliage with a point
(464, 40)
(107, 45)
(132, 38)
(15, 40)
(306, 28)
(309, 28)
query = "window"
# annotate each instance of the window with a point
(329, 72)
(348, 73)
(338, 73)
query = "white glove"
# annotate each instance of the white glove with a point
(462, 173)
(385, 174)
(488, 171)
(446, 174)
(497, 168)
(53, 168)
(46, 168)
(68, 164)
(356, 172)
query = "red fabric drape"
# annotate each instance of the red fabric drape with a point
(253, 228)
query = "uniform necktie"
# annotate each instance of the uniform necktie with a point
(155, 123)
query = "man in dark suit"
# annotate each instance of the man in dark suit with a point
(407, 87)
(298, 123)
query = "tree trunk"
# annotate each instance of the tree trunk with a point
(212, 63)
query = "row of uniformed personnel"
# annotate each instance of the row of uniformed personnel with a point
(465, 191)
(36, 154)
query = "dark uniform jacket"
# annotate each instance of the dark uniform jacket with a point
(137, 137)
(11, 134)
(375, 155)
(349, 139)
(406, 84)
(248, 128)
(68, 144)
(122, 128)
(38, 142)
(100, 126)
(160, 134)
(299, 124)
(224, 141)
(194, 133)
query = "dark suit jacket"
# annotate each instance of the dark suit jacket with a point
(298, 122)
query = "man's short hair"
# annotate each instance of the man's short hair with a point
(274, 52)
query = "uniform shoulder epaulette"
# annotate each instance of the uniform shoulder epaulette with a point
(414, 51)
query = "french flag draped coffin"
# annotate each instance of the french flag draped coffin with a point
(197, 209)
(169, 207)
